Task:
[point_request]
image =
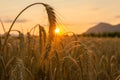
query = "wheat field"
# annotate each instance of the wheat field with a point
(51, 57)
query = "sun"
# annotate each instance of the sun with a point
(57, 30)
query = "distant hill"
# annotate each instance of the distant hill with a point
(103, 27)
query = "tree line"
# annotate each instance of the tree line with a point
(104, 34)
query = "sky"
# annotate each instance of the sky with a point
(72, 15)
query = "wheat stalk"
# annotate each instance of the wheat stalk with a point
(102, 75)
(3, 26)
(113, 65)
(103, 63)
(51, 18)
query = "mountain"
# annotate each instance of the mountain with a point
(103, 27)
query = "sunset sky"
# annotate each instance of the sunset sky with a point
(72, 15)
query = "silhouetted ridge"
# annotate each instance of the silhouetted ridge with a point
(103, 27)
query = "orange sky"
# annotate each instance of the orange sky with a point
(73, 15)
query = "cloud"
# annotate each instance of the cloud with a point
(18, 21)
(80, 24)
(118, 16)
(95, 9)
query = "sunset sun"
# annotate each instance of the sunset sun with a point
(57, 30)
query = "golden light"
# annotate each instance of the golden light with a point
(57, 30)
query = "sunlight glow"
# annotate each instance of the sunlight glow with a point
(57, 30)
